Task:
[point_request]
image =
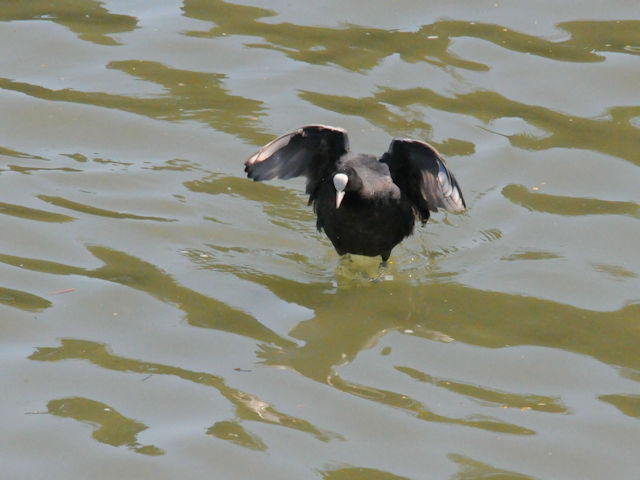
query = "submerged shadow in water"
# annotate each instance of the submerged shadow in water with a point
(23, 300)
(565, 205)
(359, 473)
(121, 268)
(86, 18)
(112, 427)
(189, 96)
(472, 469)
(101, 212)
(248, 406)
(360, 48)
(352, 318)
(611, 134)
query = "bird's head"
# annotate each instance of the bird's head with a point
(344, 180)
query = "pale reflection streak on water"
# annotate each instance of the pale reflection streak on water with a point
(198, 324)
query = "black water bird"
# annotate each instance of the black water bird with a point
(366, 205)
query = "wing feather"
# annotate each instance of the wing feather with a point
(422, 175)
(310, 151)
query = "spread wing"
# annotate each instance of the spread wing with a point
(310, 151)
(420, 172)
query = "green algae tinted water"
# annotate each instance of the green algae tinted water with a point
(164, 317)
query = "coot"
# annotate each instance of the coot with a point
(366, 205)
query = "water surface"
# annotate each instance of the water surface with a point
(165, 317)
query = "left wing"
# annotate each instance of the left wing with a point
(420, 172)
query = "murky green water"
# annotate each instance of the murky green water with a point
(164, 317)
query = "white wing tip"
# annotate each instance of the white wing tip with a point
(451, 195)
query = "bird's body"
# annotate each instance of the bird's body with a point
(366, 205)
(389, 216)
